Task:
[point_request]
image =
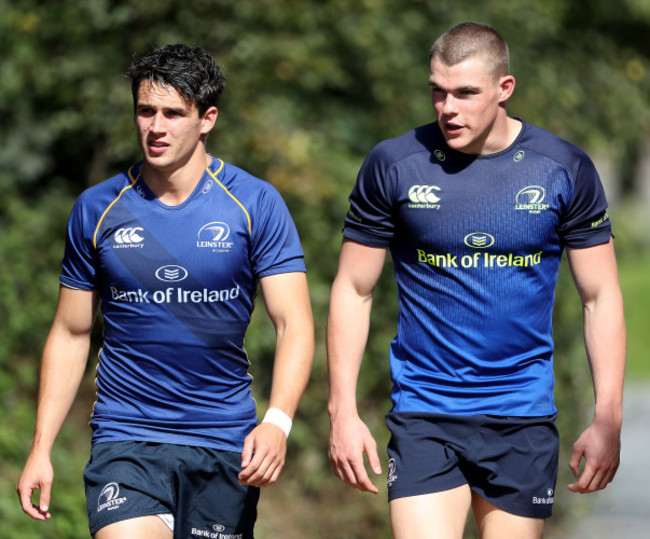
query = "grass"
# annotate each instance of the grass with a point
(634, 275)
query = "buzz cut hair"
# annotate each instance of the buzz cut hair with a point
(472, 39)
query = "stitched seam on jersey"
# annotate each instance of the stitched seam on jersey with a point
(214, 177)
(133, 180)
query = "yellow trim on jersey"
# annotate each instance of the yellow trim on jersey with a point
(214, 177)
(133, 180)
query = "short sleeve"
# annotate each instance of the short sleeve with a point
(370, 219)
(275, 245)
(79, 266)
(585, 222)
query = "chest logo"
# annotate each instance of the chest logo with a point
(531, 199)
(214, 236)
(207, 187)
(171, 273)
(479, 240)
(128, 237)
(424, 196)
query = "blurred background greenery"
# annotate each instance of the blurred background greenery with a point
(312, 86)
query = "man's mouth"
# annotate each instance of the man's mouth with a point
(156, 146)
(453, 128)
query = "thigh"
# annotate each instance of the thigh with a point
(515, 466)
(424, 453)
(147, 527)
(494, 523)
(441, 515)
(210, 501)
(126, 480)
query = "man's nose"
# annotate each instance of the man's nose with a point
(158, 123)
(449, 105)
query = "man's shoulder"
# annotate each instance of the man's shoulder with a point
(106, 191)
(243, 184)
(421, 139)
(552, 146)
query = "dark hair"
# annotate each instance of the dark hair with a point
(471, 39)
(192, 72)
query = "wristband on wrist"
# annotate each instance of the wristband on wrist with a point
(279, 419)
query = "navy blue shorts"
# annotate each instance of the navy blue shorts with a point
(198, 486)
(510, 461)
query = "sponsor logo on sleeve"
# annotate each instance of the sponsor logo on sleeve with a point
(600, 221)
(353, 216)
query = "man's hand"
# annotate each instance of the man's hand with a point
(349, 440)
(265, 449)
(600, 447)
(37, 475)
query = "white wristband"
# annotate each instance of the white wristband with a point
(279, 419)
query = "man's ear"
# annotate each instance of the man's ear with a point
(506, 87)
(209, 118)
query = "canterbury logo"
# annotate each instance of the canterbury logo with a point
(424, 194)
(479, 240)
(129, 235)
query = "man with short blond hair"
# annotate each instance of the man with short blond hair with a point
(476, 210)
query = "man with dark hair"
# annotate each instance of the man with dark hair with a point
(193, 72)
(173, 249)
(476, 210)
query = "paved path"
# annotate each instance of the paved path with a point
(622, 510)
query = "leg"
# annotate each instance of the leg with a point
(494, 523)
(148, 527)
(441, 514)
(210, 501)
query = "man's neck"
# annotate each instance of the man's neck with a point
(506, 134)
(173, 186)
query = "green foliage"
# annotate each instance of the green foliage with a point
(635, 284)
(30, 253)
(312, 86)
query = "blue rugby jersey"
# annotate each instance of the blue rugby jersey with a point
(476, 243)
(177, 287)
